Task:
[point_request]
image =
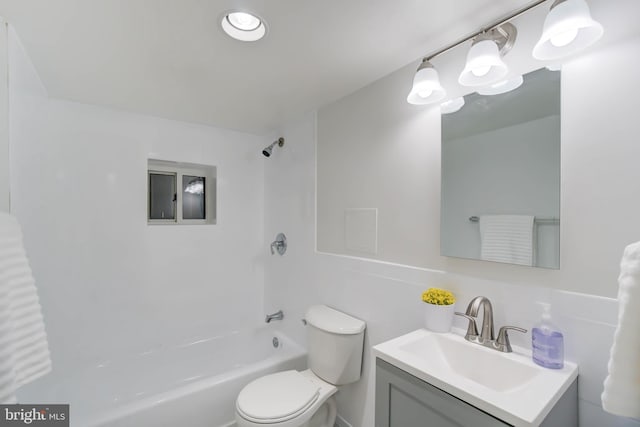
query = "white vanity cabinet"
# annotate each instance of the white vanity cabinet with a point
(403, 400)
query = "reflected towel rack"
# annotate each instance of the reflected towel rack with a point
(541, 220)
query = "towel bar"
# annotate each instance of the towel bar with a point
(541, 220)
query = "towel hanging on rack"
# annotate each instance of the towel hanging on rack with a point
(24, 351)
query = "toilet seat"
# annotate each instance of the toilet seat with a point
(282, 399)
(277, 397)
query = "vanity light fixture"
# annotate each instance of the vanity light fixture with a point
(484, 60)
(452, 105)
(503, 86)
(243, 26)
(568, 28)
(426, 87)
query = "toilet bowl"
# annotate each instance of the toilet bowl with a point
(306, 398)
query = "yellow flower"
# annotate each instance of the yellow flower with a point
(438, 296)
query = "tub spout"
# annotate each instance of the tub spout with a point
(279, 315)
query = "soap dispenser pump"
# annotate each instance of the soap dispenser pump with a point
(547, 342)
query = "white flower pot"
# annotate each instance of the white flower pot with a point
(438, 318)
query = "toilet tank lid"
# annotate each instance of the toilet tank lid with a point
(334, 321)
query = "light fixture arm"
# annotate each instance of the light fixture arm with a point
(504, 36)
(491, 27)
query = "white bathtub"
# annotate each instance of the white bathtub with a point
(191, 385)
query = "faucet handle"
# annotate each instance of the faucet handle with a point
(279, 245)
(502, 343)
(472, 329)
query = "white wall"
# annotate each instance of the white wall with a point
(512, 170)
(289, 203)
(599, 217)
(375, 150)
(109, 283)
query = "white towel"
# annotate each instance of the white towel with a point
(24, 351)
(507, 238)
(621, 394)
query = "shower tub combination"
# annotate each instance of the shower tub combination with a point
(193, 385)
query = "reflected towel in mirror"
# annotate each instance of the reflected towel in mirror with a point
(507, 238)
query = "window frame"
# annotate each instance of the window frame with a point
(178, 170)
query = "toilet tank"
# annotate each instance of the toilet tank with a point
(336, 342)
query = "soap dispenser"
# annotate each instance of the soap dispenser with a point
(547, 342)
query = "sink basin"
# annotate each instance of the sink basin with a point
(508, 386)
(484, 366)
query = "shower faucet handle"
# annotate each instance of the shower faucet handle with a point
(279, 245)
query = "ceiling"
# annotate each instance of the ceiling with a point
(170, 58)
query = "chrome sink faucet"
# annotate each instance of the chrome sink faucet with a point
(486, 333)
(486, 337)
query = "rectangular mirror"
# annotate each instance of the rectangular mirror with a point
(501, 175)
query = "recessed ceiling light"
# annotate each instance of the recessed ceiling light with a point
(243, 26)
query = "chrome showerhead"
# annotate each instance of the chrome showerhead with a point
(267, 151)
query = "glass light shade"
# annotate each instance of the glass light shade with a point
(452, 105)
(243, 26)
(503, 86)
(568, 28)
(484, 65)
(426, 87)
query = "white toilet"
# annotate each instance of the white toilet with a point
(305, 399)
